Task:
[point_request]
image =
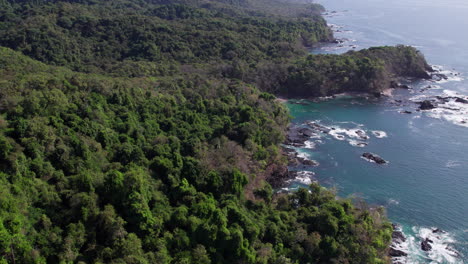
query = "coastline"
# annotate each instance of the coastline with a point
(398, 249)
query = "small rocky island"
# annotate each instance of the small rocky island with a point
(373, 158)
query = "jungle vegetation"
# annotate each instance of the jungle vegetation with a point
(144, 131)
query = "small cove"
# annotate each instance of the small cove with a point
(425, 184)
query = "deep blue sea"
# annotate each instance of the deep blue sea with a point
(425, 184)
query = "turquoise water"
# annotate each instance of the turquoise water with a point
(425, 184)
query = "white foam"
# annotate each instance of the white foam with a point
(369, 160)
(304, 177)
(301, 154)
(337, 132)
(356, 136)
(452, 111)
(452, 164)
(356, 143)
(379, 134)
(452, 75)
(452, 93)
(341, 133)
(393, 201)
(404, 246)
(441, 252)
(309, 144)
(418, 98)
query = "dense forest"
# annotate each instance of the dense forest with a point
(146, 131)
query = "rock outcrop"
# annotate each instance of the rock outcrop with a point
(426, 244)
(396, 253)
(373, 157)
(427, 105)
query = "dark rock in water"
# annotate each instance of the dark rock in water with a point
(296, 136)
(438, 76)
(426, 244)
(398, 237)
(307, 132)
(406, 112)
(288, 150)
(361, 144)
(453, 252)
(297, 145)
(293, 162)
(308, 162)
(374, 158)
(443, 99)
(396, 253)
(461, 100)
(319, 127)
(437, 230)
(394, 84)
(426, 88)
(362, 134)
(292, 156)
(427, 105)
(338, 41)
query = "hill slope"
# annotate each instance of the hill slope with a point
(142, 170)
(136, 131)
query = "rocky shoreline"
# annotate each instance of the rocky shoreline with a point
(396, 250)
(399, 252)
(428, 242)
(298, 136)
(306, 134)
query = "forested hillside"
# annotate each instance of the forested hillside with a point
(143, 132)
(369, 71)
(125, 36)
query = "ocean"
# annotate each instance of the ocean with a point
(424, 186)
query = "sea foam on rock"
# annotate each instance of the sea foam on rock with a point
(450, 106)
(427, 105)
(399, 248)
(442, 75)
(438, 245)
(423, 244)
(303, 177)
(379, 134)
(356, 137)
(356, 143)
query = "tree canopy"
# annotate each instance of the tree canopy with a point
(137, 131)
